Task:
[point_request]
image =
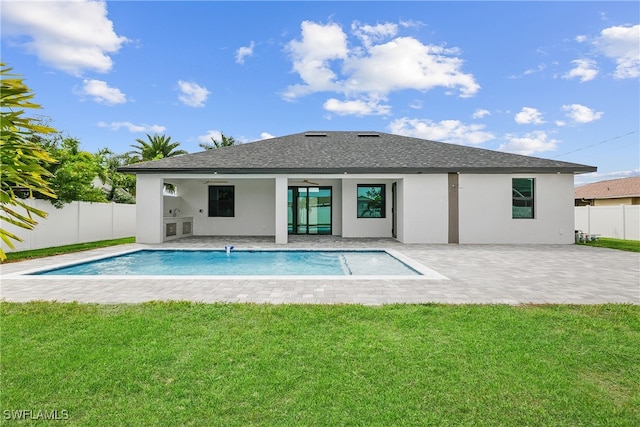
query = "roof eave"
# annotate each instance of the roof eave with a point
(615, 196)
(364, 170)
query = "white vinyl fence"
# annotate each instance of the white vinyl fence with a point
(75, 222)
(620, 222)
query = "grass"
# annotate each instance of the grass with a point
(58, 250)
(623, 245)
(289, 365)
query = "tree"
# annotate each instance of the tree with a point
(157, 147)
(23, 160)
(120, 187)
(224, 142)
(76, 171)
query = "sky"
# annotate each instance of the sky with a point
(557, 80)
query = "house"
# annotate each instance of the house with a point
(358, 184)
(624, 191)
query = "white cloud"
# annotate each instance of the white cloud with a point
(406, 63)
(192, 94)
(416, 105)
(326, 61)
(370, 34)
(412, 24)
(530, 71)
(101, 92)
(538, 69)
(243, 52)
(585, 70)
(451, 131)
(266, 135)
(72, 36)
(311, 57)
(215, 134)
(356, 108)
(620, 43)
(534, 142)
(581, 114)
(529, 115)
(131, 127)
(480, 113)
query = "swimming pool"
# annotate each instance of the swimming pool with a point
(193, 262)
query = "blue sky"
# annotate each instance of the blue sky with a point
(548, 79)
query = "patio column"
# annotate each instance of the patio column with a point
(281, 210)
(149, 204)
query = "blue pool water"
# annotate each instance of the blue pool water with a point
(240, 263)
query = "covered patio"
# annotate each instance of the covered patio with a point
(276, 206)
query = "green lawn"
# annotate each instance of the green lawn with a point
(328, 365)
(623, 245)
(57, 250)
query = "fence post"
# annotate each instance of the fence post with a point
(78, 206)
(29, 237)
(588, 219)
(113, 219)
(624, 223)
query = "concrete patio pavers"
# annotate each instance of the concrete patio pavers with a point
(506, 274)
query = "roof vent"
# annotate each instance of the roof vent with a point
(315, 134)
(369, 134)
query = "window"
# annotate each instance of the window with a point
(221, 200)
(522, 205)
(371, 201)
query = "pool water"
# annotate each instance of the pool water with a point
(154, 262)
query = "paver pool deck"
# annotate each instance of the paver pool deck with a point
(484, 274)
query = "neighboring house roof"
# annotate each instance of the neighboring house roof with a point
(611, 189)
(352, 152)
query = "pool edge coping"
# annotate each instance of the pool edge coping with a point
(424, 272)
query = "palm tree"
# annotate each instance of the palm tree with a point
(120, 187)
(24, 161)
(157, 147)
(224, 142)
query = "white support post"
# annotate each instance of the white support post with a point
(149, 204)
(281, 210)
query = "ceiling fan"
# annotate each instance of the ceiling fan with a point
(215, 181)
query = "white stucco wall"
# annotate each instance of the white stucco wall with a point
(423, 209)
(170, 204)
(149, 205)
(254, 208)
(486, 215)
(352, 226)
(281, 206)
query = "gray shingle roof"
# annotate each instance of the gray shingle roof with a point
(352, 152)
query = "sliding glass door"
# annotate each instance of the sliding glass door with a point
(309, 210)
